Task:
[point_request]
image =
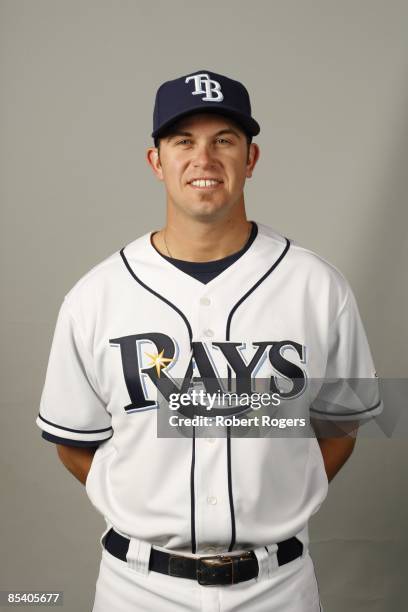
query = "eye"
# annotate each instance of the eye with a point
(223, 140)
(184, 141)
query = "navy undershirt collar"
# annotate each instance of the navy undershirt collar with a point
(205, 271)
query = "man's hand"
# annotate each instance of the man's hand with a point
(337, 449)
(77, 460)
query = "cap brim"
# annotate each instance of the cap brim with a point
(249, 125)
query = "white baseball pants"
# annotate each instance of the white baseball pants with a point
(131, 587)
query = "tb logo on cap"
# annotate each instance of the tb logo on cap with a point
(206, 86)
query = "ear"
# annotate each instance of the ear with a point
(253, 156)
(153, 159)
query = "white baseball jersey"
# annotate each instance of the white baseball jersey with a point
(134, 323)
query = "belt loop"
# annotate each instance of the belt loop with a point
(138, 556)
(267, 561)
(273, 564)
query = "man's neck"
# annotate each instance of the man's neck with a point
(200, 242)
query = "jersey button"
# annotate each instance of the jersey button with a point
(209, 333)
(211, 500)
(205, 301)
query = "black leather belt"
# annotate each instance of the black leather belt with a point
(216, 570)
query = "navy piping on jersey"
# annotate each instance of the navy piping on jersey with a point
(227, 337)
(190, 335)
(161, 297)
(82, 431)
(192, 495)
(230, 496)
(252, 289)
(347, 413)
(69, 442)
(228, 329)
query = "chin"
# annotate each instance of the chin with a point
(204, 208)
(208, 210)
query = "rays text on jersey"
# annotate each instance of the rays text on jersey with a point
(209, 363)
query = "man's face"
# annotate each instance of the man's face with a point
(207, 148)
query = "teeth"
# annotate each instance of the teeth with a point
(204, 183)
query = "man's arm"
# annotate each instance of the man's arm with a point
(77, 460)
(336, 450)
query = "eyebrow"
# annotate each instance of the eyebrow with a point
(189, 134)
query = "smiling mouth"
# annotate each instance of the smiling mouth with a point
(206, 184)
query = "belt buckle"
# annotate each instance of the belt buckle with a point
(215, 571)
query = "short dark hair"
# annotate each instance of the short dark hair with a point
(171, 129)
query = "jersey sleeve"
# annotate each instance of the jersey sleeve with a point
(72, 411)
(350, 389)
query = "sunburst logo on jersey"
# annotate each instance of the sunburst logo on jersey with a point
(158, 361)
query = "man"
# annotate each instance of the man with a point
(210, 298)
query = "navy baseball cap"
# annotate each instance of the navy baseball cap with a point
(202, 91)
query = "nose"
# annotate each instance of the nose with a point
(203, 157)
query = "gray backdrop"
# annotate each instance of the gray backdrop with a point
(328, 81)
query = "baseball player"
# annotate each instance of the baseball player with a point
(203, 522)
